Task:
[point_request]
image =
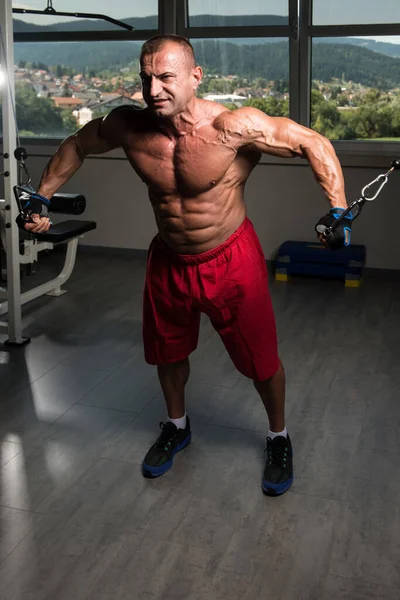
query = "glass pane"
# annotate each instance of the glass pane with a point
(61, 86)
(237, 73)
(355, 90)
(236, 13)
(141, 15)
(356, 12)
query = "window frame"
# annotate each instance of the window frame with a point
(166, 21)
(289, 31)
(351, 152)
(173, 18)
(96, 36)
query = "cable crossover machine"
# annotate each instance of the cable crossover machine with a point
(22, 247)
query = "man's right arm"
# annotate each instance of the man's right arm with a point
(96, 137)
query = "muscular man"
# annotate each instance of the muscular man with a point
(195, 157)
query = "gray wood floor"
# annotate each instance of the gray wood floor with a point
(79, 408)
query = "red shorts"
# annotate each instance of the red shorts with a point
(229, 284)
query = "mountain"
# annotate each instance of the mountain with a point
(270, 61)
(82, 25)
(380, 47)
(79, 55)
(355, 63)
(150, 22)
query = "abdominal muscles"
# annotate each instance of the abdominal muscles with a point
(197, 198)
(198, 224)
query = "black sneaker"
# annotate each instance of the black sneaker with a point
(278, 472)
(161, 455)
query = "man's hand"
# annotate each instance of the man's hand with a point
(322, 239)
(341, 234)
(39, 224)
(34, 215)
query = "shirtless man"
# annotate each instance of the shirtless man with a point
(195, 157)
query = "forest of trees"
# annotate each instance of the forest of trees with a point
(355, 82)
(39, 116)
(270, 61)
(370, 111)
(376, 116)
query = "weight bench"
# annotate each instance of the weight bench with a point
(66, 231)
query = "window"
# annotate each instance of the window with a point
(59, 89)
(356, 89)
(350, 69)
(69, 70)
(355, 12)
(332, 65)
(245, 72)
(210, 13)
(257, 68)
(141, 15)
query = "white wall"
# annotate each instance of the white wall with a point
(283, 199)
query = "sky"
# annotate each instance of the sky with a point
(327, 12)
(119, 8)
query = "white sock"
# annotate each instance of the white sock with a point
(274, 434)
(179, 423)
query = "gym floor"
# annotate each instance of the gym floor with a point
(79, 408)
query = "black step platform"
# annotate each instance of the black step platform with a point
(66, 230)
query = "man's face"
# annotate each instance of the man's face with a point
(168, 80)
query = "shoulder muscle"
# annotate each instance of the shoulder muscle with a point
(276, 135)
(103, 134)
(114, 124)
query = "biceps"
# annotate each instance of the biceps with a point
(94, 139)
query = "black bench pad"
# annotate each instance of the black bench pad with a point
(65, 231)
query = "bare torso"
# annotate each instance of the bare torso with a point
(195, 181)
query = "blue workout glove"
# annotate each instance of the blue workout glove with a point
(341, 236)
(32, 203)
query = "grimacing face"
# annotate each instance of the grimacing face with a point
(168, 80)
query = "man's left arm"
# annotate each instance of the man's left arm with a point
(279, 136)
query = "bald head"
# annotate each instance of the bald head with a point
(159, 42)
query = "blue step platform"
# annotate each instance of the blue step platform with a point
(312, 258)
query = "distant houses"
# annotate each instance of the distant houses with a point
(85, 97)
(83, 108)
(226, 99)
(67, 102)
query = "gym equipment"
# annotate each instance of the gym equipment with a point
(49, 10)
(17, 183)
(308, 258)
(68, 204)
(314, 258)
(67, 231)
(30, 202)
(328, 230)
(341, 235)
